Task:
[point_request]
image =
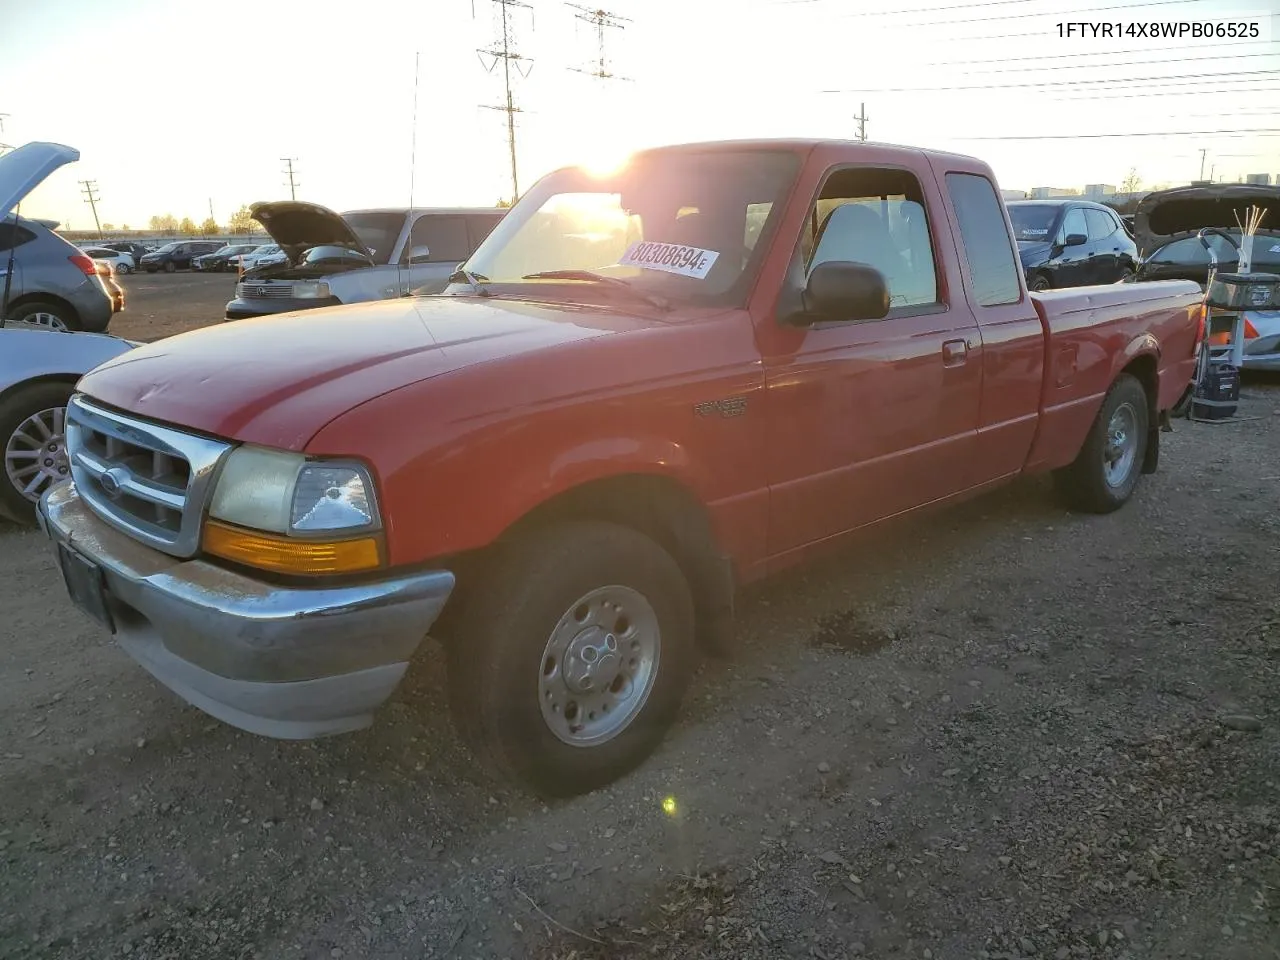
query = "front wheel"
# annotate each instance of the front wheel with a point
(1109, 465)
(33, 442)
(1038, 283)
(123, 269)
(568, 669)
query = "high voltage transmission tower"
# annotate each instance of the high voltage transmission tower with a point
(601, 20)
(504, 50)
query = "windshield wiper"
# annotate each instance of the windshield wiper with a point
(476, 280)
(590, 277)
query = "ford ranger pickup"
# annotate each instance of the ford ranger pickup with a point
(647, 387)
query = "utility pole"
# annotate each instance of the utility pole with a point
(89, 187)
(504, 50)
(293, 183)
(600, 20)
(862, 119)
(1202, 156)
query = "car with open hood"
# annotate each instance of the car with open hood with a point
(358, 256)
(1167, 224)
(39, 361)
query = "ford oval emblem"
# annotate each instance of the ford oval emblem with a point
(113, 480)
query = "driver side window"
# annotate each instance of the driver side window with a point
(445, 240)
(877, 217)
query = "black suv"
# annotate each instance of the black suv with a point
(1071, 243)
(177, 255)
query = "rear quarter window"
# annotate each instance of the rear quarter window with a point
(988, 248)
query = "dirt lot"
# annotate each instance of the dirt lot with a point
(1004, 731)
(161, 304)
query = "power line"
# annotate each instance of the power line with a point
(1195, 92)
(1116, 82)
(505, 51)
(1273, 131)
(1103, 53)
(601, 20)
(1128, 63)
(89, 186)
(1028, 16)
(293, 183)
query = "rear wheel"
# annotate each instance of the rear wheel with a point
(33, 445)
(568, 671)
(123, 269)
(44, 314)
(1109, 466)
(1038, 282)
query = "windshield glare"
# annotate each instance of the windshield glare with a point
(167, 247)
(679, 224)
(1032, 222)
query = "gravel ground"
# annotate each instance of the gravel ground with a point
(1000, 731)
(161, 304)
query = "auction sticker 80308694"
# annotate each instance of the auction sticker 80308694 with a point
(670, 258)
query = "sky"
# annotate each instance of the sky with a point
(176, 107)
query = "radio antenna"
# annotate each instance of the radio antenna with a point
(413, 165)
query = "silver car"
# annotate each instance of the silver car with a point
(357, 256)
(39, 365)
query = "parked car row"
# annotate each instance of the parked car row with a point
(222, 259)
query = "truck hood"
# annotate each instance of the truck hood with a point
(1184, 211)
(297, 226)
(277, 381)
(24, 169)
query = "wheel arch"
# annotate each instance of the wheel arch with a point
(1144, 367)
(70, 379)
(51, 298)
(654, 504)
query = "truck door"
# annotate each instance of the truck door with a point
(869, 419)
(437, 244)
(1012, 338)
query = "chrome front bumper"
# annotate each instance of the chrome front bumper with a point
(287, 662)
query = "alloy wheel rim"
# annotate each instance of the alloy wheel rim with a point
(1121, 447)
(35, 455)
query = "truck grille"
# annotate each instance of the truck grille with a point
(264, 291)
(149, 481)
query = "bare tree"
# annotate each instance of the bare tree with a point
(187, 227)
(210, 227)
(1132, 183)
(165, 224)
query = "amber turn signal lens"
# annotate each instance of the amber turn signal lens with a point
(286, 555)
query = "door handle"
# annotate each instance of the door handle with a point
(954, 352)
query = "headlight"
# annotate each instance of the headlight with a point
(311, 290)
(281, 511)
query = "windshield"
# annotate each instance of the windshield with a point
(225, 250)
(266, 249)
(677, 224)
(1032, 221)
(377, 231)
(167, 248)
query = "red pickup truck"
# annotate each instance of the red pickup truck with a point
(648, 387)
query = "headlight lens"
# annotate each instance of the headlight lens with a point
(280, 492)
(310, 289)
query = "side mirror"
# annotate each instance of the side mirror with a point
(1074, 239)
(841, 290)
(420, 254)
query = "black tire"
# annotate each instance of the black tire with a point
(1038, 283)
(495, 656)
(1085, 484)
(28, 311)
(170, 266)
(15, 409)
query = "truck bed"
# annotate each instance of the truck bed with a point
(1091, 335)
